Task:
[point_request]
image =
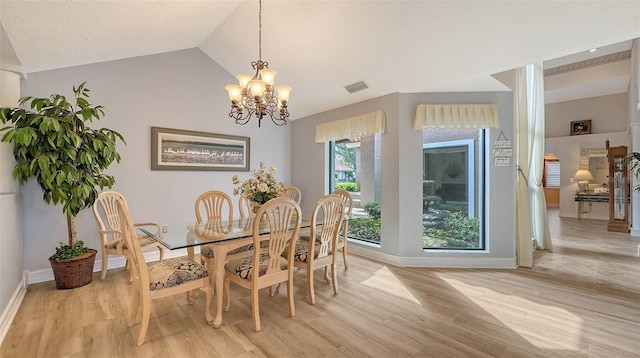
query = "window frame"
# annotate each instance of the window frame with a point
(483, 170)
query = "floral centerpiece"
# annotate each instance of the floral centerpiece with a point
(261, 187)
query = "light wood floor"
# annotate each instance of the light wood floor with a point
(582, 300)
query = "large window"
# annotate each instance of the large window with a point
(355, 167)
(453, 173)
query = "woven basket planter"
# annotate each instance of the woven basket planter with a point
(75, 272)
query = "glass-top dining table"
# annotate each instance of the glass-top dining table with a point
(222, 236)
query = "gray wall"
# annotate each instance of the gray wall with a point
(607, 114)
(183, 90)
(401, 147)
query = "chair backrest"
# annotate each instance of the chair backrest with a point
(105, 210)
(214, 203)
(330, 210)
(348, 207)
(139, 269)
(278, 214)
(294, 193)
(348, 200)
(244, 207)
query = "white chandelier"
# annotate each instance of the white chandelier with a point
(256, 94)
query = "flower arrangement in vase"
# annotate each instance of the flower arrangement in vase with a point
(261, 187)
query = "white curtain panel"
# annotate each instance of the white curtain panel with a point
(535, 115)
(524, 249)
(358, 126)
(456, 116)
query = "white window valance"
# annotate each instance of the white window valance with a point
(456, 116)
(364, 124)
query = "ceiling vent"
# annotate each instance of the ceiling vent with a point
(355, 87)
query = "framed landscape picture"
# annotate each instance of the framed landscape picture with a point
(176, 149)
(581, 127)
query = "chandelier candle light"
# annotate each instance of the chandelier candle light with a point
(256, 94)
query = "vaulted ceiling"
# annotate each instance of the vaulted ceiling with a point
(318, 47)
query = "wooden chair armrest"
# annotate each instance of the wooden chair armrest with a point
(157, 226)
(111, 232)
(118, 239)
(147, 224)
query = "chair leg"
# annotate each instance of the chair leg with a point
(312, 294)
(277, 290)
(334, 276)
(255, 308)
(161, 249)
(292, 307)
(326, 274)
(135, 305)
(130, 271)
(146, 314)
(344, 255)
(105, 260)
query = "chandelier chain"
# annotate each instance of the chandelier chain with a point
(260, 31)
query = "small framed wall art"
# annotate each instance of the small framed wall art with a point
(581, 127)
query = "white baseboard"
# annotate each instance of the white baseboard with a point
(115, 261)
(12, 309)
(430, 261)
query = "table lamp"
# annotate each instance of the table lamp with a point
(582, 177)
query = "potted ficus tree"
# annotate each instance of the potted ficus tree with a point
(54, 144)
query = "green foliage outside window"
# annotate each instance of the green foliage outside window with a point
(365, 229)
(456, 231)
(348, 186)
(373, 209)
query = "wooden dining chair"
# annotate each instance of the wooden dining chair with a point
(210, 207)
(342, 238)
(160, 279)
(105, 210)
(294, 193)
(310, 255)
(244, 207)
(266, 268)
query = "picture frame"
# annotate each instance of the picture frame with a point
(580, 127)
(177, 149)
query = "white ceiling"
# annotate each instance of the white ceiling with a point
(318, 47)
